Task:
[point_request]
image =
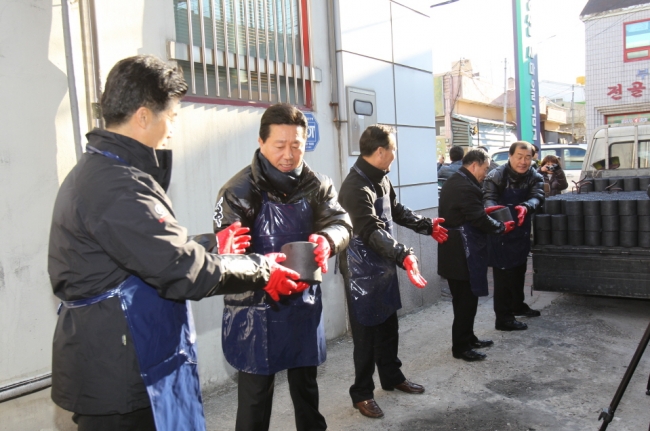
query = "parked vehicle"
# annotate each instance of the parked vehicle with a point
(598, 242)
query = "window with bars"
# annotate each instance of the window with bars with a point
(262, 50)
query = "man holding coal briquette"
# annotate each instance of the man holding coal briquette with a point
(463, 259)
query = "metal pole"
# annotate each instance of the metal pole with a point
(607, 414)
(203, 56)
(226, 54)
(573, 136)
(191, 47)
(505, 98)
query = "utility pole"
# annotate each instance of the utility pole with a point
(573, 136)
(505, 98)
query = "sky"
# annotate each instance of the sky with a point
(481, 31)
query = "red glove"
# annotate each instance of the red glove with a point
(283, 281)
(490, 210)
(439, 233)
(323, 250)
(233, 239)
(521, 214)
(510, 226)
(412, 270)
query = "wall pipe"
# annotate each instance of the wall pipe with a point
(25, 387)
(72, 84)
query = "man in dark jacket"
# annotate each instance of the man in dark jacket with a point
(456, 155)
(282, 200)
(115, 244)
(463, 259)
(369, 268)
(518, 186)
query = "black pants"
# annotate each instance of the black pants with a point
(509, 292)
(255, 400)
(375, 345)
(465, 304)
(139, 420)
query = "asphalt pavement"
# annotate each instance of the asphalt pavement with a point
(557, 375)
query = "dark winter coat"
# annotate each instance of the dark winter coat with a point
(112, 220)
(445, 172)
(554, 182)
(358, 197)
(504, 177)
(240, 199)
(461, 201)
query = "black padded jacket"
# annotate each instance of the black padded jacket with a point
(504, 177)
(112, 220)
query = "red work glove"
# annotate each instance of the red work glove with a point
(521, 214)
(323, 250)
(490, 210)
(283, 281)
(510, 226)
(439, 233)
(233, 239)
(412, 270)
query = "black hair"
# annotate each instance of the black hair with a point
(134, 82)
(456, 153)
(375, 136)
(523, 145)
(281, 113)
(475, 155)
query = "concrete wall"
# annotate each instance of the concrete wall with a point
(211, 144)
(606, 68)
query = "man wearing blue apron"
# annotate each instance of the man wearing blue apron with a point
(369, 268)
(463, 259)
(517, 185)
(124, 357)
(281, 200)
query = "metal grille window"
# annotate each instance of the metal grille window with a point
(262, 49)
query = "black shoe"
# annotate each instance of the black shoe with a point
(470, 355)
(528, 313)
(478, 344)
(513, 325)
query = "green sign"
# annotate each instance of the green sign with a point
(526, 73)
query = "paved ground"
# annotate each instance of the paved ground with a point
(557, 375)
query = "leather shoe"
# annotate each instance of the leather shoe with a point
(529, 313)
(513, 325)
(478, 344)
(470, 355)
(409, 387)
(369, 408)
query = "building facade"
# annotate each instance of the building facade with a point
(346, 63)
(617, 37)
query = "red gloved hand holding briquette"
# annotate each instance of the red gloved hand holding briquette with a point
(412, 270)
(439, 233)
(283, 281)
(233, 239)
(521, 214)
(322, 252)
(490, 210)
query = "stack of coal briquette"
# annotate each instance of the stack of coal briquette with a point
(595, 219)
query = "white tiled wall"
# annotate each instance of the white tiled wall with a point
(385, 46)
(605, 67)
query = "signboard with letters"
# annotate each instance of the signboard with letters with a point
(526, 73)
(313, 135)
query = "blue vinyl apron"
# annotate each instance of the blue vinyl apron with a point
(511, 250)
(164, 339)
(475, 245)
(260, 335)
(373, 293)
